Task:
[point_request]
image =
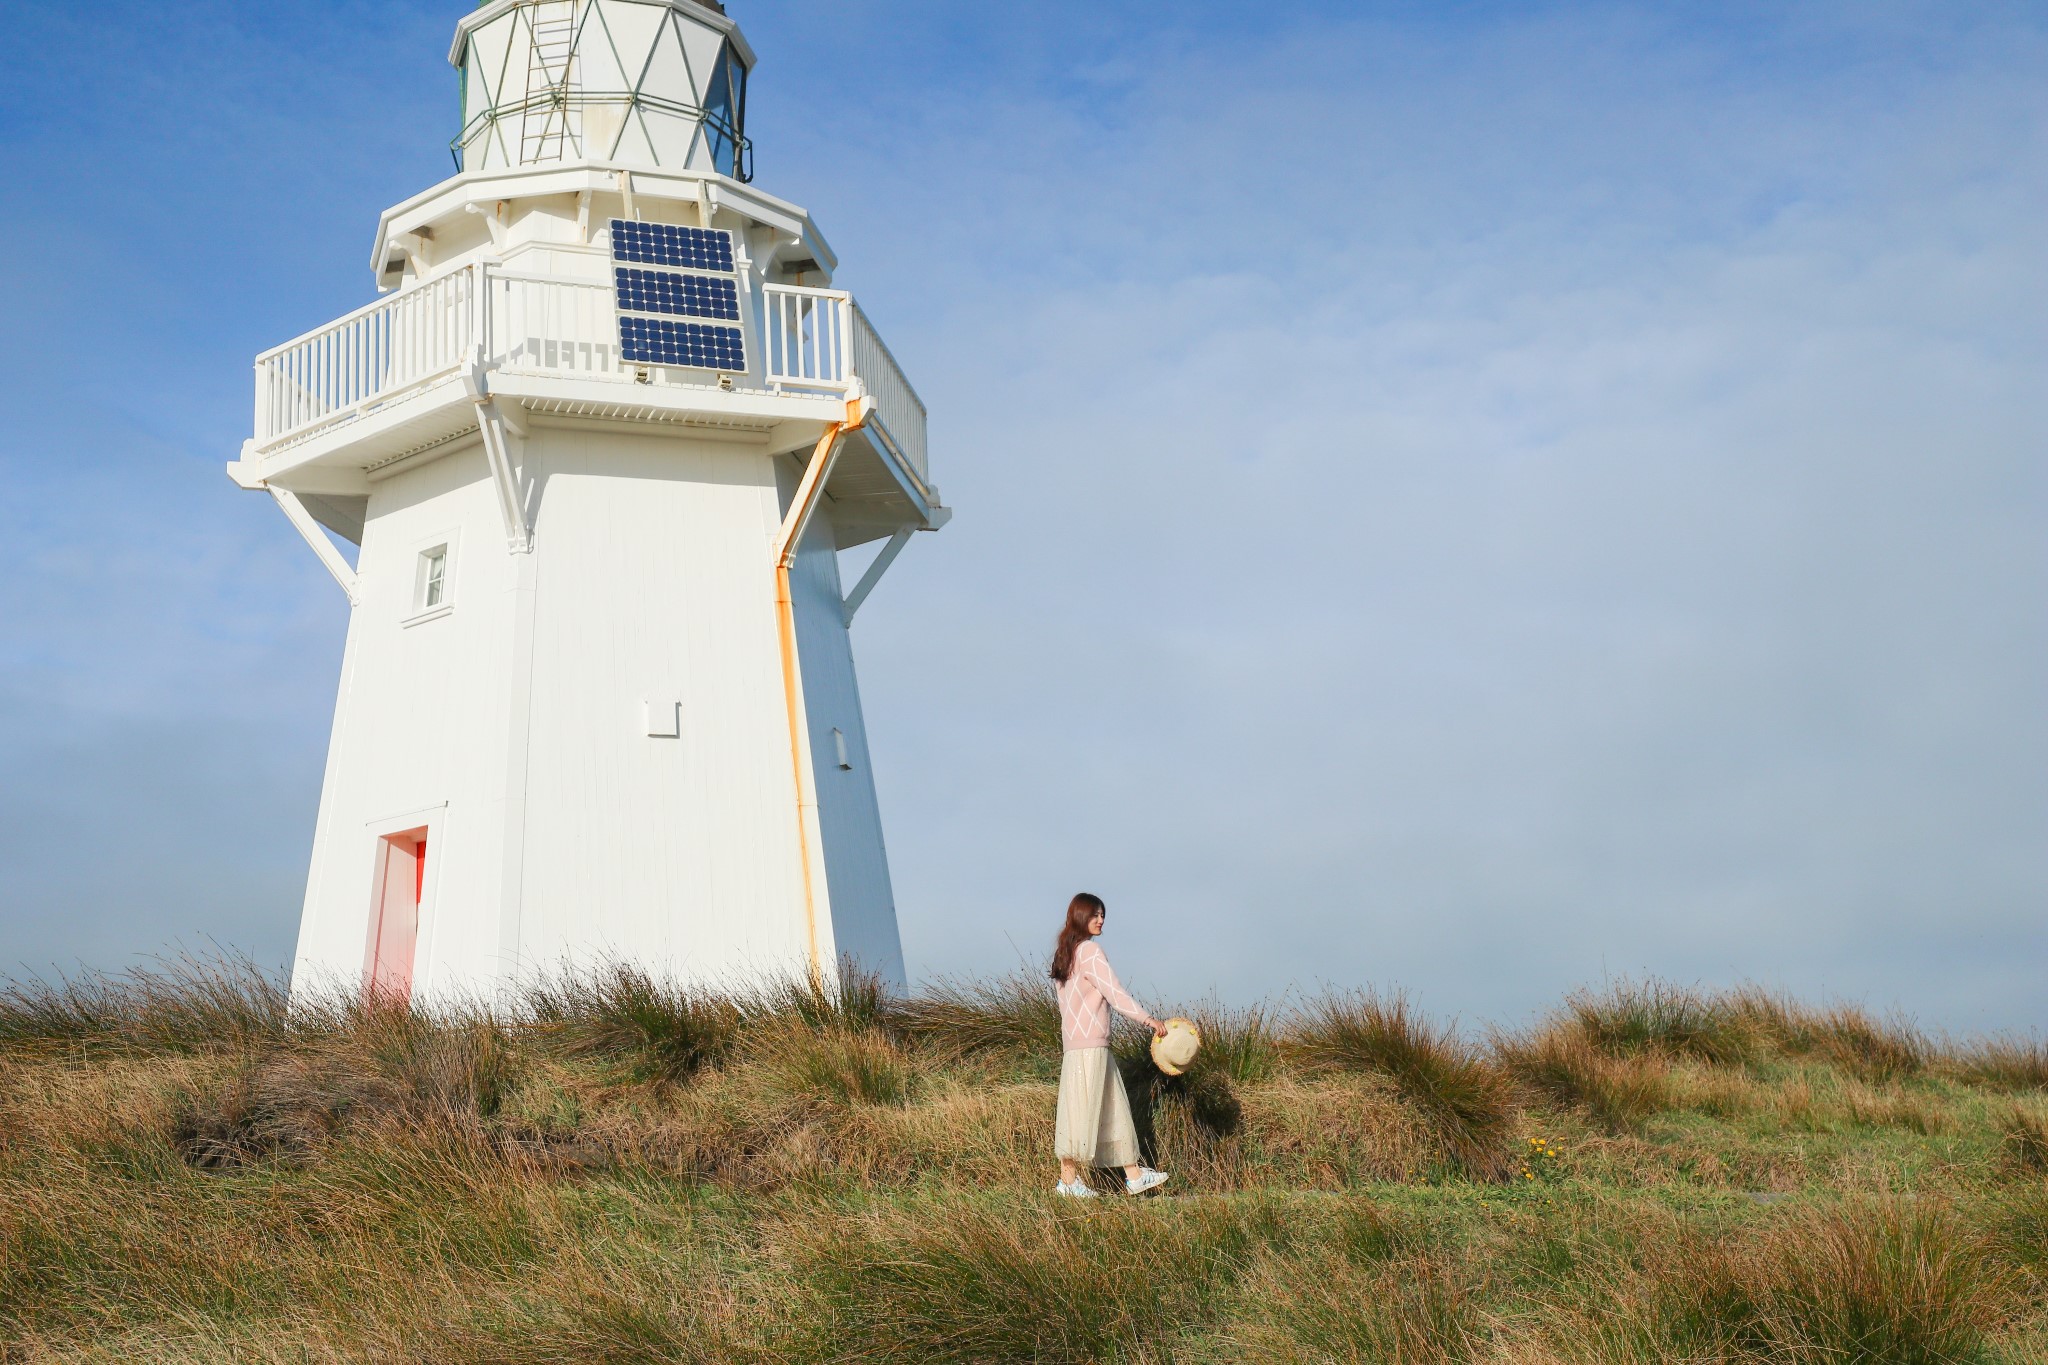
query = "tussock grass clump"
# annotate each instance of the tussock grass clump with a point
(1884, 1282)
(2009, 1063)
(1333, 1131)
(2025, 1141)
(837, 1066)
(383, 1067)
(188, 1005)
(1358, 1285)
(1876, 1050)
(1206, 1150)
(1465, 1102)
(974, 1283)
(1015, 1016)
(1211, 1101)
(1750, 1025)
(1891, 1106)
(850, 999)
(1632, 1017)
(1237, 1044)
(1843, 1035)
(660, 1031)
(1561, 1063)
(1357, 1298)
(648, 1289)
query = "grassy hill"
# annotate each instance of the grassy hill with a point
(190, 1172)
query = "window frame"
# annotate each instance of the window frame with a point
(419, 610)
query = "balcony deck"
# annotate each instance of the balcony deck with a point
(394, 377)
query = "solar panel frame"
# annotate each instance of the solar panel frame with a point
(686, 248)
(647, 299)
(694, 296)
(691, 345)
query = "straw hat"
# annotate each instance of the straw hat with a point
(1177, 1049)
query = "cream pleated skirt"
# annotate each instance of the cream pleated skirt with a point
(1094, 1123)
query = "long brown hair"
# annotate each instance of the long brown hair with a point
(1080, 910)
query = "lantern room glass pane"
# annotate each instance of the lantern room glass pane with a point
(725, 112)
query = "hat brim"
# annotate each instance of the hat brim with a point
(1159, 1058)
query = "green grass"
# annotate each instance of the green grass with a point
(620, 1171)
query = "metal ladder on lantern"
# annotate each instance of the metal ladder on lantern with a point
(545, 128)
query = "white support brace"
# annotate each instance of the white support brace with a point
(501, 432)
(492, 215)
(876, 570)
(296, 513)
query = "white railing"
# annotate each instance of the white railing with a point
(551, 323)
(818, 339)
(813, 341)
(373, 355)
(896, 403)
(806, 331)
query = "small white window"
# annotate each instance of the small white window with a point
(433, 578)
(839, 748)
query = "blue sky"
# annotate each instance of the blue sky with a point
(1473, 497)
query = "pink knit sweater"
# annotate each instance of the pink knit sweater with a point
(1088, 994)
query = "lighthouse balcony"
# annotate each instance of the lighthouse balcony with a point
(407, 373)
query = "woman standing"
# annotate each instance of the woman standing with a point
(1094, 1125)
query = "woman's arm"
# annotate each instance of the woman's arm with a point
(1097, 970)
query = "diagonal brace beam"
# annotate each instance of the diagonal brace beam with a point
(875, 571)
(296, 513)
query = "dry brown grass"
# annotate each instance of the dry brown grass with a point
(656, 1030)
(1329, 1132)
(1661, 1017)
(2025, 1140)
(1562, 1063)
(184, 1005)
(831, 1066)
(2009, 1063)
(1415, 1309)
(824, 1174)
(1016, 1018)
(1463, 1100)
(1875, 1282)
(291, 1099)
(1362, 1291)
(974, 1283)
(1873, 1049)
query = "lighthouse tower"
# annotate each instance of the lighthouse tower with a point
(600, 445)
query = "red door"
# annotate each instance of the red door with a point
(395, 925)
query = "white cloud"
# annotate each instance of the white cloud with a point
(1469, 501)
(1566, 507)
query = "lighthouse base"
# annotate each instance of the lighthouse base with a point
(585, 752)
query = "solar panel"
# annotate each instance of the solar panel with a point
(656, 341)
(694, 296)
(664, 244)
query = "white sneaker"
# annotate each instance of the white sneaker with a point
(1078, 1190)
(1146, 1179)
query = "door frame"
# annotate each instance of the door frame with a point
(428, 823)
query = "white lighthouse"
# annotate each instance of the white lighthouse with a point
(600, 445)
